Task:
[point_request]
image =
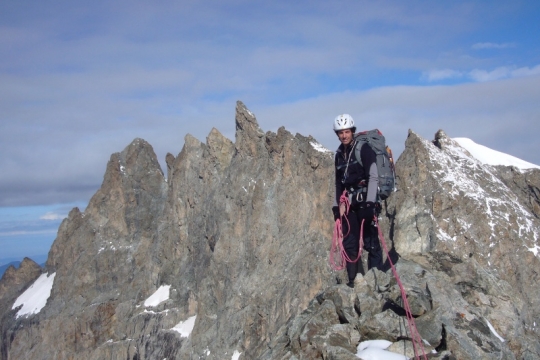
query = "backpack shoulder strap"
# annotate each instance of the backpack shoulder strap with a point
(360, 141)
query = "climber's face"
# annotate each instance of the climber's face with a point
(345, 136)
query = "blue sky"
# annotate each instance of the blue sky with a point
(79, 80)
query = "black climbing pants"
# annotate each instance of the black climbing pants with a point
(351, 244)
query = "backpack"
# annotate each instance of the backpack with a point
(385, 162)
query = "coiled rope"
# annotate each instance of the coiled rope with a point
(339, 258)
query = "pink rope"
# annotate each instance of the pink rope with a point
(338, 256)
(415, 335)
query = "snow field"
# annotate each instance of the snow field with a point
(35, 297)
(493, 157)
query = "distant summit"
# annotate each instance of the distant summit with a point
(3, 268)
(493, 157)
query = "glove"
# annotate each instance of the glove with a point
(366, 210)
(335, 210)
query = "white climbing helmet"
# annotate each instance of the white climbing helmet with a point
(342, 122)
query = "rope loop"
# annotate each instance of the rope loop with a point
(339, 258)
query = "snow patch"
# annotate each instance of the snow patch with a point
(493, 330)
(35, 297)
(236, 355)
(534, 249)
(376, 350)
(493, 157)
(185, 327)
(154, 313)
(442, 235)
(319, 147)
(159, 296)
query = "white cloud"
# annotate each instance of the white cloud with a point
(503, 72)
(52, 216)
(503, 115)
(25, 232)
(526, 71)
(483, 75)
(435, 75)
(80, 85)
(490, 45)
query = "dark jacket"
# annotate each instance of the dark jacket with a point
(350, 174)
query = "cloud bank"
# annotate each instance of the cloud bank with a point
(79, 80)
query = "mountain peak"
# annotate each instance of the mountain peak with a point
(248, 133)
(493, 157)
(235, 244)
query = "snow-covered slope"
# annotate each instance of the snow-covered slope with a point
(35, 297)
(493, 157)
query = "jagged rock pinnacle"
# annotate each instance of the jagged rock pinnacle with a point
(441, 139)
(14, 279)
(12, 284)
(248, 133)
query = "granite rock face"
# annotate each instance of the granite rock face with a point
(12, 284)
(15, 279)
(238, 235)
(479, 225)
(525, 184)
(467, 239)
(239, 231)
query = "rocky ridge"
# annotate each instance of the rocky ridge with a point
(240, 232)
(467, 237)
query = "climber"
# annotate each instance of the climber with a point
(361, 182)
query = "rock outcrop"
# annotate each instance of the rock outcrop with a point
(238, 236)
(13, 282)
(483, 233)
(15, 279)
(468, 261)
